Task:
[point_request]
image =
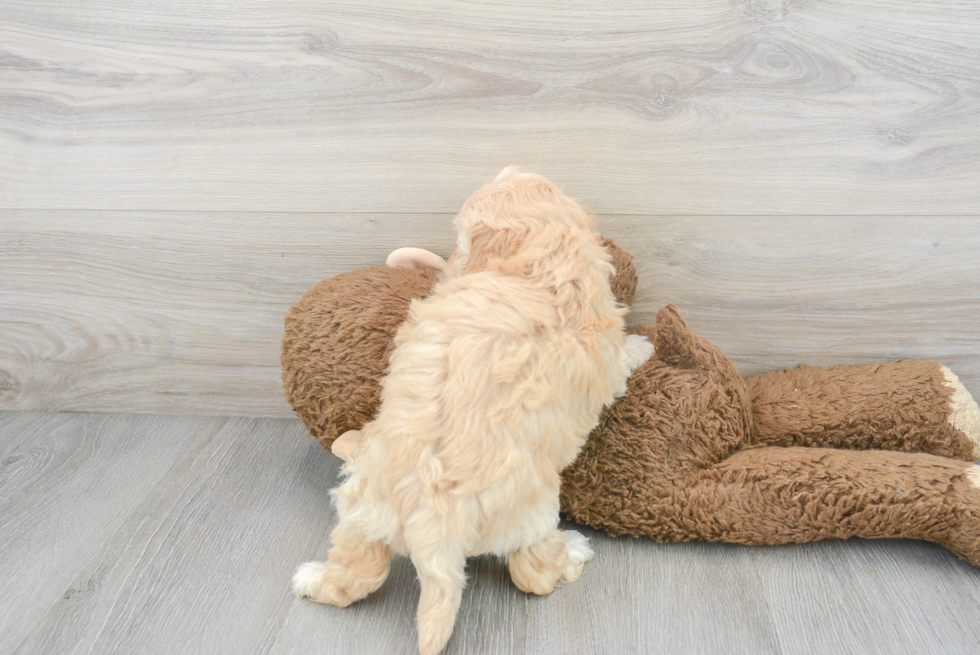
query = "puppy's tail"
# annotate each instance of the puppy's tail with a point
(442, 579)
(437, 542)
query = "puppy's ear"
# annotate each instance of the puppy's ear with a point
(494, 244)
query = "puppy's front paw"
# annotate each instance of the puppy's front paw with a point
(638, 350)
(577, 553)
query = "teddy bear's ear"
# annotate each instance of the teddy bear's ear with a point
(676, 344)
(624, 280)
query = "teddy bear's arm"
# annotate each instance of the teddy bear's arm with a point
(910, 406)
(415, 258)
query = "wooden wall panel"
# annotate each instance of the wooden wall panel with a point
(716, 107)
(181, 312)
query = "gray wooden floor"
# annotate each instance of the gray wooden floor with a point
(168, 534)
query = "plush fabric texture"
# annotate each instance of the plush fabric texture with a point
(340, 334)
(694, 451)
(337, 342)
(900, 406)
(624, 282)
(683, 456)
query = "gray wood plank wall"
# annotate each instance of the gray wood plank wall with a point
(802, 179)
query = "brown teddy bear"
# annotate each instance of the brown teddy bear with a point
(694, 450)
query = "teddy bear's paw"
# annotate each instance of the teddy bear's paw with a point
(973, 475)
(964, 413)
(638, 350)
(577, 553)
(322, 583)
(963, 537)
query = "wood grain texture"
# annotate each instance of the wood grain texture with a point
(181, 312)
(168, 312)
(67, 483)
(199, 560)
(203, 564)
(899, 603)
(639, 596)
(773, 293)
(717, 107)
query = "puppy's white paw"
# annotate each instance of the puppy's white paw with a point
(638, 350)
(578, 552)
(308, 579)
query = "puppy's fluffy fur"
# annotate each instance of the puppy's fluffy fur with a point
(496, 380)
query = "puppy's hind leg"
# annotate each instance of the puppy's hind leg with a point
(355, 568)
(561, 555)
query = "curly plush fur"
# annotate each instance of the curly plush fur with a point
(693, 452)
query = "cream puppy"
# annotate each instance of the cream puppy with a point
(495, 382)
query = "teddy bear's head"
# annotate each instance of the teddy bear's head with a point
(339, 336)
(686, 407)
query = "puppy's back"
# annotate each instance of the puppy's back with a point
(484, 369)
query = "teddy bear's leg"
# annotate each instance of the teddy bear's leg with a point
(355, 568)
(561, 555)
(783, 495)
(910, 406)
